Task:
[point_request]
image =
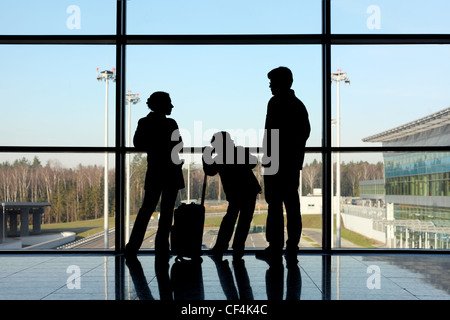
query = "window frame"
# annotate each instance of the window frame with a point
(325, 39)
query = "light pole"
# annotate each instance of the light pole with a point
(132, 98)
(106, 75)
(333, 210)
(338, 77)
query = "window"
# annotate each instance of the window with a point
(389, 17)
(63, 195)
(222, 87)
(52, 96)
(384, 83)
(230, 17)
(49, 17)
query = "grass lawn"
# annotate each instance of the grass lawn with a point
(314, 221)
(357, 239)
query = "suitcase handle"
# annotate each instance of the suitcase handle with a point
(204, 189)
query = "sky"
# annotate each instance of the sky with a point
(51, 97)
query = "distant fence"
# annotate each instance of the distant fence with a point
(365, 212)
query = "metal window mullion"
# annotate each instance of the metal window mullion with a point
(326, 128)
(232, 39)
(120, 196)
(120, 131)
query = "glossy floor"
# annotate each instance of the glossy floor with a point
(315, 277)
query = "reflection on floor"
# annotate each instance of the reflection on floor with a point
(315, 277)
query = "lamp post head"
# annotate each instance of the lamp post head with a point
(340, 76)
(106, 75)
(133, 97)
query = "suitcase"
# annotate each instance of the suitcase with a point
(187, 230)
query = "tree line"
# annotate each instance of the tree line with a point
(351, 174)
(77, 193)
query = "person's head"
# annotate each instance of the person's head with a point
(160, 102)
(280, 80)
(221, 141)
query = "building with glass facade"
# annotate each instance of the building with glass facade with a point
(417, 183)
(372, 189)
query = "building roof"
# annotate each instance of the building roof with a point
(432, 121)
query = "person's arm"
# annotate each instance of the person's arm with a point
(303, 135)
(176, 143)
(267, 143)
(252, 160)
(209, 165)
(244, 157)
(139, 139)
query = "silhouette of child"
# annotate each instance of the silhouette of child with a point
(234, 165)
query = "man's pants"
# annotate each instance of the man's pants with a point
(149, 204)
(283, 188)
(243, 208)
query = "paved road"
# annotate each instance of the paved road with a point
(254, 240)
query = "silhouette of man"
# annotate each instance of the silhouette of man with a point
(234, 165)
(288, 117)
(158, 136)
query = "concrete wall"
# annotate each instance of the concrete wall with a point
(362, 226)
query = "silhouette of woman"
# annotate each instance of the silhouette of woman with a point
(159, 137)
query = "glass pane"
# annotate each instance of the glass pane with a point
(393, 200)
(58, 17)
(56, 201)
(216, 203)
(384, 16)
(311, 201)
(51, 95)
(222, 17)
(223, 87)
(396, 93)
